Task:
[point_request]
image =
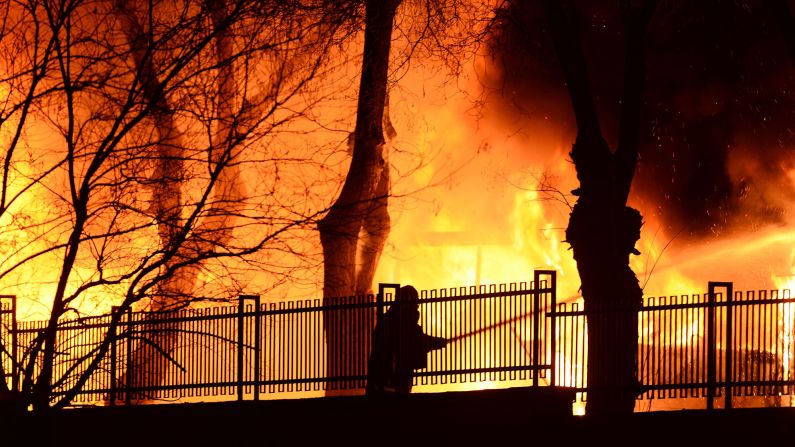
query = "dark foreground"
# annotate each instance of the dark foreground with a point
(495, 417)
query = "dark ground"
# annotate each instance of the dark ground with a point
(518, 416)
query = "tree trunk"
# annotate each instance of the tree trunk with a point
(228, 190)
(165, 186)
(43, 386)
(602, 230)
(215, 229)
(165, 182)
(377, 223)
(602, 234)
(373, 236)
(340, 228)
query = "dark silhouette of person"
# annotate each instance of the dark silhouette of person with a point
(399, 346)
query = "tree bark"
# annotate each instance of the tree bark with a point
(363, 192)
(602, 229)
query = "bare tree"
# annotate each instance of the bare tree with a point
(355, 230)
(148, 111)
(362, 204)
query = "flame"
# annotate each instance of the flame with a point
(785, 323)
(476, 201)
(504, 212)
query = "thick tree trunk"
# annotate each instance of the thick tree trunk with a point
(602, 235)
(377, 223)
(165, 182)
(228, 190)
(215, 229)
(165, 186)
(43, 386)
(602, 230)
(373, 236)
(346, 332)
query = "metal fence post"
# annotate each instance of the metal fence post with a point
(112, 398)
(12, 332)
(257, 349)
(129, 372)
(240, 347)
(14, 342)
(710, 347)
(536, 329)
(241, 318)
(14, 346)
(380, 304)
(728, 345)
(551, 342)
(553, 323)
(241, 344)
(379, 299)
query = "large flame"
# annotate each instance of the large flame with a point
(476, 200)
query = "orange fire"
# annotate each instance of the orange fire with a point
(476, 201)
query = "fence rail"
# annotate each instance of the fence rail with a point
(496, 333)
(712, 345)
(720, 346)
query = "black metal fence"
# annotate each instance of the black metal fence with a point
(721, 348)
(253, 350)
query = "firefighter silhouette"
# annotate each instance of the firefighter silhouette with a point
(399, 346)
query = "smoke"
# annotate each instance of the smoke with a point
(717, 136)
